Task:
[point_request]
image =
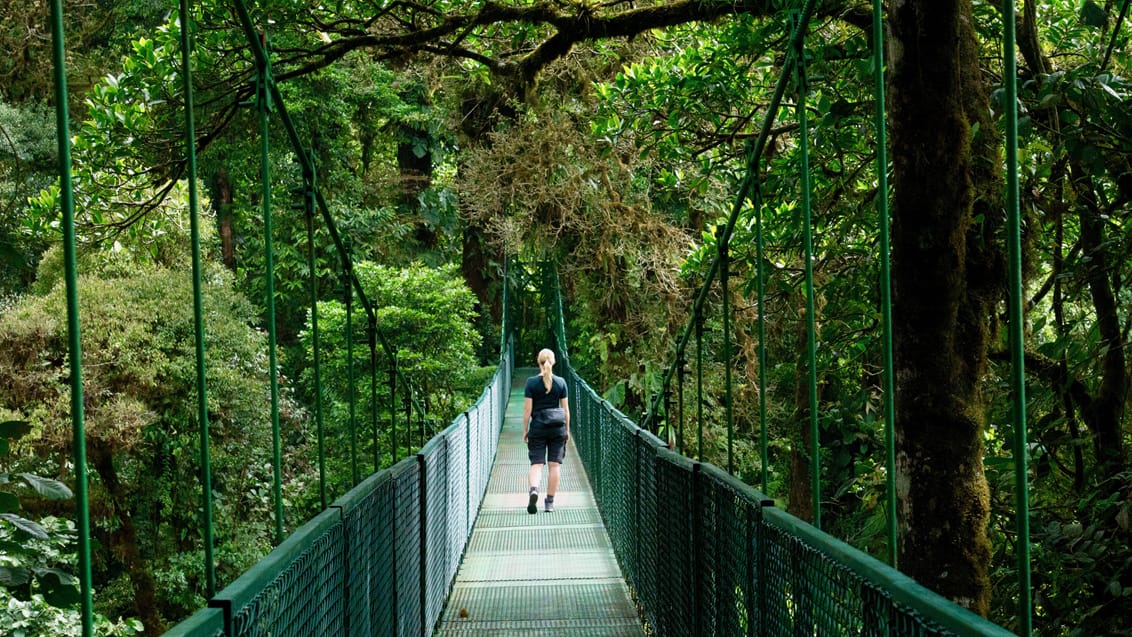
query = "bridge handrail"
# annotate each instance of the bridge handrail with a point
(385, 554)
(704, 553)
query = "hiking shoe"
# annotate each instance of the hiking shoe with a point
(549, 505)
(532, 504)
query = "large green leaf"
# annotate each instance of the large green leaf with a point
(14, 576)
(59, 588)
(7, 547)
(14, 429)
(8, 503)
(1093, 15)
(46, 487)
(27, 526)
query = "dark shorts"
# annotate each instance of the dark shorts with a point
(546, 444)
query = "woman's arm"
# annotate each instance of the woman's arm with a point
(565, 405)
(527, 417)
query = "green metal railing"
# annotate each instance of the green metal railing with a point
(381, 559)
(705, 554)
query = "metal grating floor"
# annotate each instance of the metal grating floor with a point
(544, 574)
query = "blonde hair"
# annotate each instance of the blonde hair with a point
(545, 364)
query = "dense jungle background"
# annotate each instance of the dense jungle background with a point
(460, 145)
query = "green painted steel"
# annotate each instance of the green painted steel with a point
(396, 451)
(264, 107)
(198, 301)
(371, 335)
(808, 240)
(889, 388)
(316, 336)
(74, 342)
(1016, 327)
(351, 390)
(725, 292)
(760, 273)
(699, 386)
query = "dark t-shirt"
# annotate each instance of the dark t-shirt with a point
(540, 398)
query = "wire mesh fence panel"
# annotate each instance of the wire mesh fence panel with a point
(458, 494)
(476, 469)
(644, 575)
(369, 559)
(407, 529)
(435, 497)
(619, 475)
(723, 537)
(305, 598)
(676, 571)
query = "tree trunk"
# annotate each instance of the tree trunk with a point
(941, 320)
(1105, 413)
(223, 201)
(124, 539)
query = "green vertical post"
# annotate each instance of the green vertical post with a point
(503, 313)
(889, 389)
(680, 400)
(198, 302)
(352, 393)
(74, 341)
(409, 420)
(316, 337)
(725, 285)
(263, 104)
(761, 294)
(395, 447)
(811, 320)
(1018, 368)
(699, 385)
(371, 331)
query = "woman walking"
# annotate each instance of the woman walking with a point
(546, 428)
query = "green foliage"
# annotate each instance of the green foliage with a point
(139, 373)
(27, 155)
(425, 315)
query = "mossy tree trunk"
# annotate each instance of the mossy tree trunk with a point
(944, 282)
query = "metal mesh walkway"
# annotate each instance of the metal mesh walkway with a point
(544, 574)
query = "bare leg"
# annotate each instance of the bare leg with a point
(552, 479)
(535, 476)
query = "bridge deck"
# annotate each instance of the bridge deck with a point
(543, 574)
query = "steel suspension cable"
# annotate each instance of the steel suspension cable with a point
(371, 334)
(352, 396)
(1016, 312)
(74, 341)
(725, 289)
(889, 390)
(811, 319)
(761, 275)
(263, 105)
(198, 301)
(395, 447)
(699, 386)
(316, 340)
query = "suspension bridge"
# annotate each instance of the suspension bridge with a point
(645, 540)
